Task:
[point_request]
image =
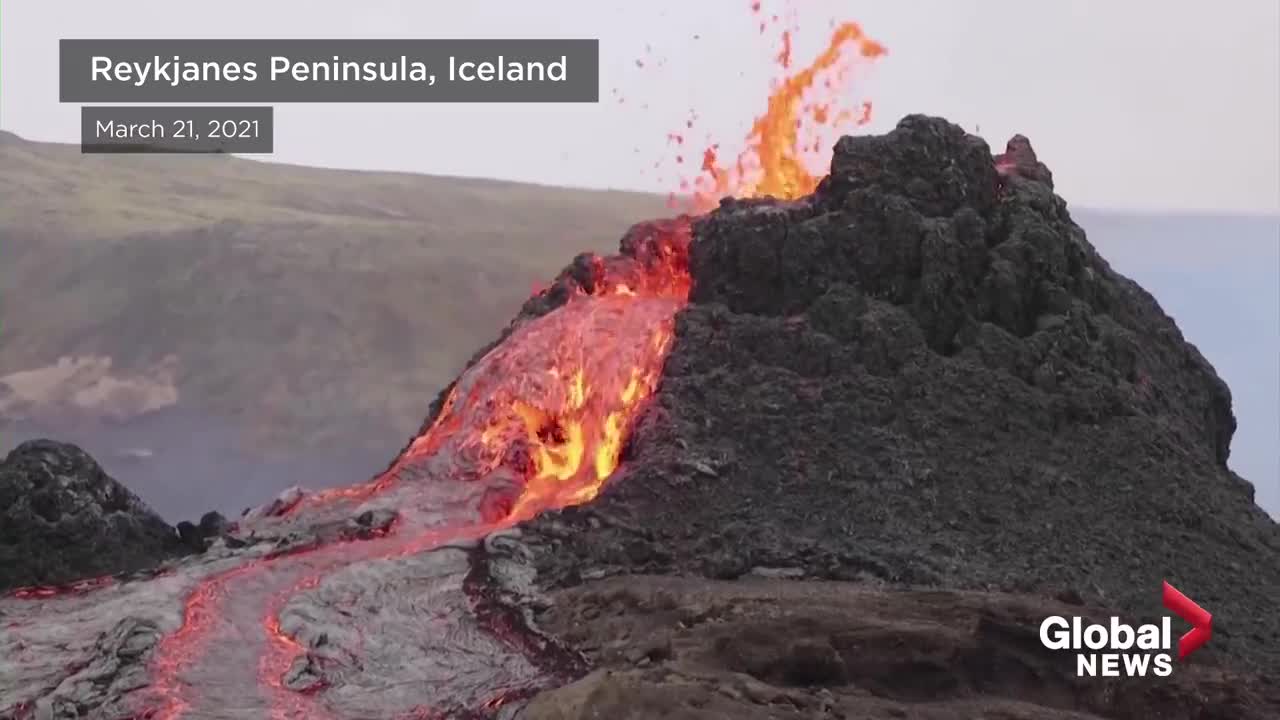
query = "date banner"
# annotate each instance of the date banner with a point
(135, 129)
(365, 71)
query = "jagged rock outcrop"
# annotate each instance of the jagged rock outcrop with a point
(63, 519)
(925, 375)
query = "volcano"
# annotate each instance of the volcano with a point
(822, 457)
(830, 444)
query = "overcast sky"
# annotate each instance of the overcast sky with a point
(1159, 104)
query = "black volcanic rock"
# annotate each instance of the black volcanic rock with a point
(212, 524)
(925, 375)
(63, 519)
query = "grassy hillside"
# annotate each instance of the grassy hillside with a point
(309, 305)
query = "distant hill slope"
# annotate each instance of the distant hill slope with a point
(302, 301)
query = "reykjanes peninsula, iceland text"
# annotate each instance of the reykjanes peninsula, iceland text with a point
(174, 71)
(342, 70)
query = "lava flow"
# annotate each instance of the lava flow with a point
(539, 422)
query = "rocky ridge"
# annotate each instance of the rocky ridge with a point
(62, 519)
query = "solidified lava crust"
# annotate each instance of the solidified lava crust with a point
(499, 616)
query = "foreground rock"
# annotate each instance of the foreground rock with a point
(63, 519)
(925, 375)
(778, 650)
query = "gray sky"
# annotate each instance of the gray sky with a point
(1139, 104)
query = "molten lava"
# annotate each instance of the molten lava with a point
(562, 391)
(789, 145)
(554, 401)
(539, 422)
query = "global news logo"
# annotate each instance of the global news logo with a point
(1118, 649)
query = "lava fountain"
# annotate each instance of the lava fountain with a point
(538, 422)
(788, 148)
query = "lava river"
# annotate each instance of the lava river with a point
(537, 422)
(356, 602)
(359, 602)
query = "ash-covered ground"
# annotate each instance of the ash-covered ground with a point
(902, 421)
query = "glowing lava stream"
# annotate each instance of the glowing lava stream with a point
(539, 422)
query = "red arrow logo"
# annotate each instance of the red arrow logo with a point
(1185, 608)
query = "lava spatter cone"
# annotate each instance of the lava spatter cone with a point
(924, 374)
